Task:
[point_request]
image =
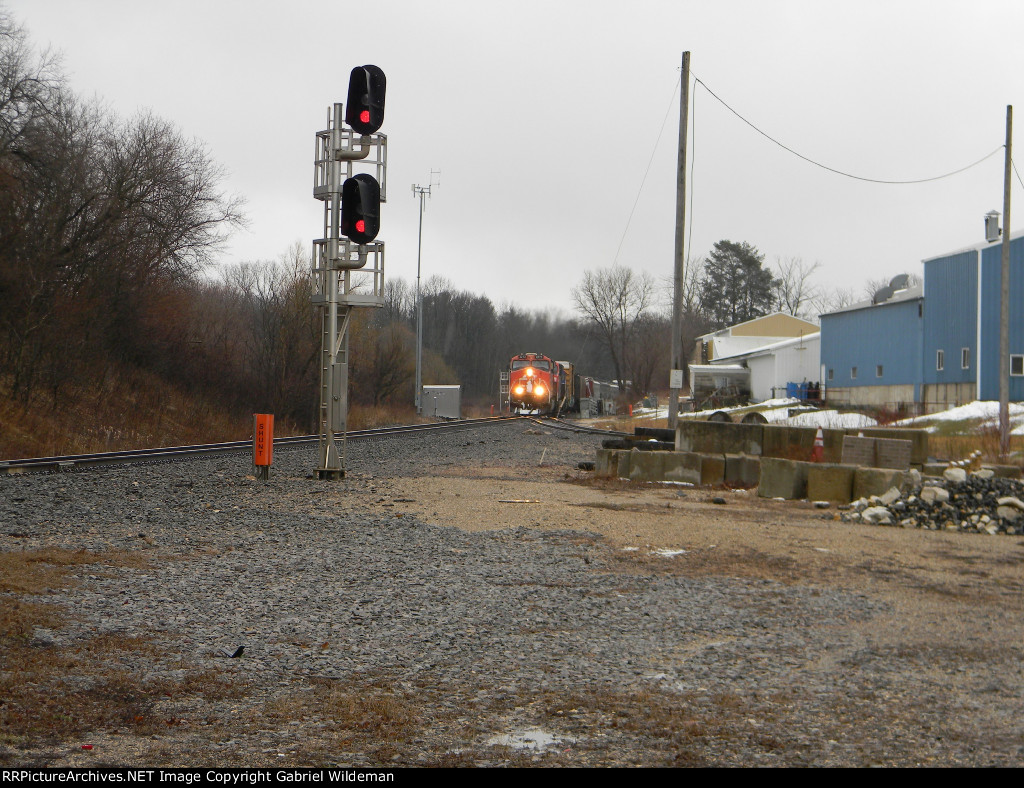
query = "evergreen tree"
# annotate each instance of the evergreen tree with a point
(736, 286)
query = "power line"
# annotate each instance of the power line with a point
(644, 179)
(834, 170)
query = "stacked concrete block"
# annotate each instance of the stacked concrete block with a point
(773, 440)
(858, 451)
(918, 440)
(892, 453)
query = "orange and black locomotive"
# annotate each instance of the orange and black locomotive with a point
(538, 384)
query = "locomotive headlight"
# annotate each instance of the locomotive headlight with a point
(538, 390)
(519, 390)
(529, 372)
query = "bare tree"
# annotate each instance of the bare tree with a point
(795, 292)
(29, 85)
(614, 300)
(872, 286)
(834, 300)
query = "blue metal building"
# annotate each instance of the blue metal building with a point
(871, 352)
(937, 345)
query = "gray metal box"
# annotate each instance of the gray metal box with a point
(444, 402)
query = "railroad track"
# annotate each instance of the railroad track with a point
(99, 459)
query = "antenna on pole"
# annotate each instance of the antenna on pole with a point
(421, 192)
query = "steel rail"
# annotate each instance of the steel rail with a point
(128, 456)
(558, 424)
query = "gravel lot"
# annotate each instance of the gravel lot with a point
(474, 599)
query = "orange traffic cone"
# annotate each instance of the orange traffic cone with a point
(818, 454)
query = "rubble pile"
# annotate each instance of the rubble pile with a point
(977, 502)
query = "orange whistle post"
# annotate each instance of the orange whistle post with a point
(263, 439)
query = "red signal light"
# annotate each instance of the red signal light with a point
(364, 116)
(360, 226)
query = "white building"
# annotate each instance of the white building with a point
(773, 366)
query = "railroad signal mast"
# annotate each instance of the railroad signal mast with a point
(350, 177)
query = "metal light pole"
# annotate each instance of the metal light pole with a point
(421, 192)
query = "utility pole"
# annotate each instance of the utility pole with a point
(678, 360)
(1004, 302)
(422, 192)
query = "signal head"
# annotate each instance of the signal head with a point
(364, 110)
(360, 208)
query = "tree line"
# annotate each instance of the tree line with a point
(109, 228)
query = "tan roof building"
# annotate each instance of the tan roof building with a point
(748, 336)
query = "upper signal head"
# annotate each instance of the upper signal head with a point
(364, 110)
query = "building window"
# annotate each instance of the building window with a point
(878, 371)
(965, 358)
(853, 373)
(831, 374)
(1016, 365)
(940, 359)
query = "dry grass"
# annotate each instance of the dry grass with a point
(50, 690)
(130, 410)
(362, 417)
(36, 571)
(958, 446)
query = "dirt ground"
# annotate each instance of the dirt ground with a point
(730, 532)
(953, 597)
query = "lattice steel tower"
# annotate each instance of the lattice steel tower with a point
(346, 274)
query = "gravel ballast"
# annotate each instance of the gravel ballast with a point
(747, 647)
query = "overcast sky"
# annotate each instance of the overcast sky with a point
(543, 117)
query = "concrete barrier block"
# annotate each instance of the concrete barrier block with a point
(830, 482)
(713, 437)
(1005, 471)
(742, 470)
(607, 463)
(646, 466)
(712, 469)
(681, 466)
(876, 481)
(781, 478)
(797, 443)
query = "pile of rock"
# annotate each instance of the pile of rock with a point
(978, 502)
